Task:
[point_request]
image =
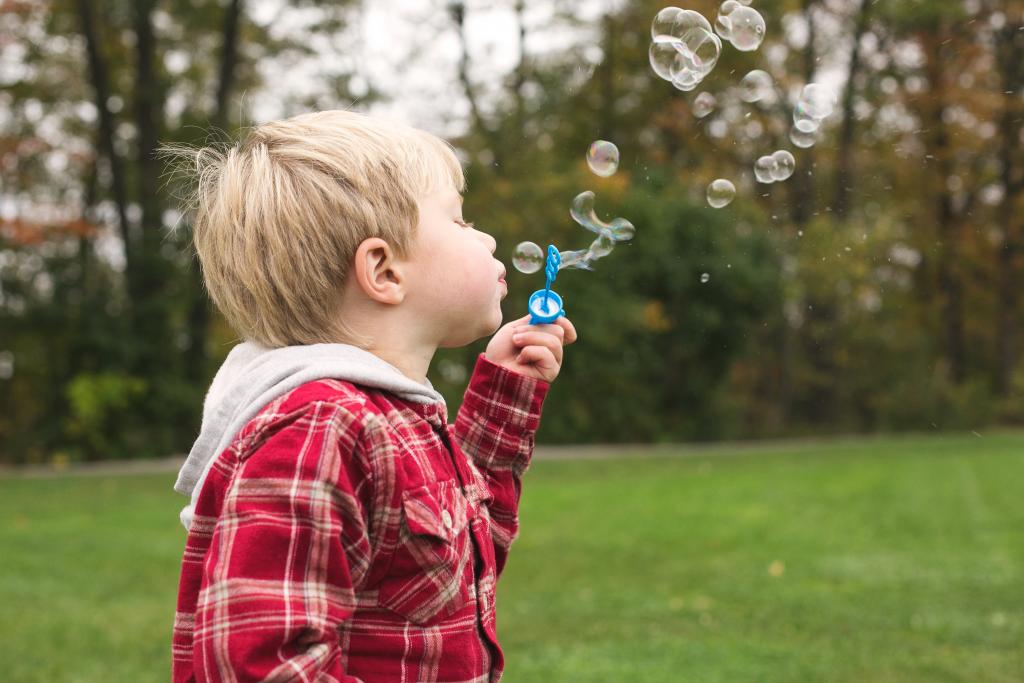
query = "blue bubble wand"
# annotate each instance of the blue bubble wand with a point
(545, 305)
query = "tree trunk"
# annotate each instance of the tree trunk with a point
(520, 71)
(151, 319)
(802, 184)
(458, 14)
(1010, 58)
(606, 127)
(101, 88)
(199, 307)
(844, 153)
(947, 228)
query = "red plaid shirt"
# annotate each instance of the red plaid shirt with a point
(344, 535)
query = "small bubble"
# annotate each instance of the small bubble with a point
(703, 104)
(802, 119)
(817, 100)
(704, 278)
(784, 166)
(720, 193)
(764, 169)
(528, 257)
(603, 158)
(802, 139)
(755, 86)
(723, 25)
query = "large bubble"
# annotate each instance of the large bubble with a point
(684, 48)
(720, 193)
(528, 257)
(662, 54)
(746, 28)
(756, 86)
(603, 158)
(664, 22)
(674, 23)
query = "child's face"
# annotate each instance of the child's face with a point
(458, 284)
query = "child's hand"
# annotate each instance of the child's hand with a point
(531, 350)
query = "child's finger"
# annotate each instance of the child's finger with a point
(551, 329)
(539, 356)
(569, 329)
(544, 339)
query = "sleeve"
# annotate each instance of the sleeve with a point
(495, 427)
(287, 555)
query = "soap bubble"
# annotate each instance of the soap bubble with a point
(764, 169)
(817, 100)
(582, 211)
(802, 139)
(785, 164)
(575, 259)
(686, 81)
(803, 121)
(602, 246)
(746, 29)
(704, 277)
(664, 22)
(720, 193)
(528, 257)
(619, 230)
(704, 104)
(755, 86)
(699, 50)
(662, 54)
(675, 23)
(723, 25)
(684, 48)
(603, 158)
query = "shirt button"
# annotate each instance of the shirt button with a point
(447, 519)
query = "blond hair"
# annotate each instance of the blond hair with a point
(278, 217)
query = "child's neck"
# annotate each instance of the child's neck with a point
(413, 362)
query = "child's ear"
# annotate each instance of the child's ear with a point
(378, 272)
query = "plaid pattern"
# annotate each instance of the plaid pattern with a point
(344, 535)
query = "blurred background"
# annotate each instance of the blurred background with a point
(874, 295)
(874, 290)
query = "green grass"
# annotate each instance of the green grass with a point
(871, 560)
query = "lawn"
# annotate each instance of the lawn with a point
(863, 560)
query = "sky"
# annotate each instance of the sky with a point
(409, 50)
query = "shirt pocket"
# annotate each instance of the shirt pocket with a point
(430, 575)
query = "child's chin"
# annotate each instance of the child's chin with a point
(485, 330)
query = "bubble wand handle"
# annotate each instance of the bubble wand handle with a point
(545, 305)
(551, 270)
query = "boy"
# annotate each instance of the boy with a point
(340, 529)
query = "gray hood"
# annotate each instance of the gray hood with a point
(252, 376)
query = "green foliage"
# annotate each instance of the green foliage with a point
(98, 405)
(655, 342)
